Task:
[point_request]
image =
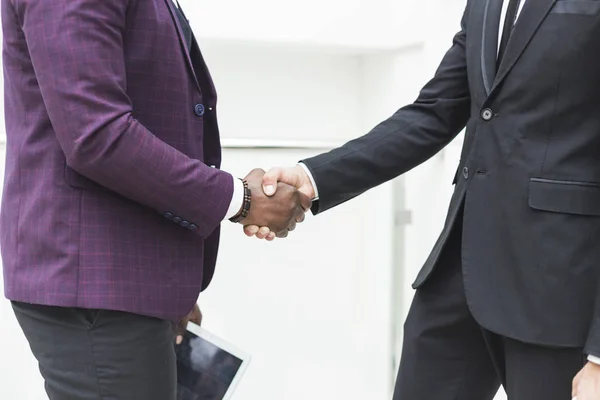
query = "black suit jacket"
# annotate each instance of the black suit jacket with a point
(529, 174)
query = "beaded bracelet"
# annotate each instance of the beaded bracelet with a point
(245, 205)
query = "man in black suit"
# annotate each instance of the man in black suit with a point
(509, 293)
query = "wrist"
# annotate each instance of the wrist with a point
(307, 185)
(237, 199)
(245, 208)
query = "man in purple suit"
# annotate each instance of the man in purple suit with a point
(113, 195)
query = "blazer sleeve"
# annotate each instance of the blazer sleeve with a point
(409, 137)
(76, 49)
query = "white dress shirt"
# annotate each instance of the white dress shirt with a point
(237, 200)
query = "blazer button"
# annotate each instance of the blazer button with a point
(185, 224)
(168, 215)
(193, 227)
(487, 114)
(465, 173)
(199, 110)
(177, 220)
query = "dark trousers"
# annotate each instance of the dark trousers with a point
(100, 355)
(446, 355)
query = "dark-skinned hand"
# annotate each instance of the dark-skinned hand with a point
(195, 316)
(279, 212)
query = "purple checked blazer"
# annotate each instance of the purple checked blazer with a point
(109, 197)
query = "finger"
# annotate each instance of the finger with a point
(179, 339)
(251, 230)
(270, 179)
(305, 201)
(263, 232)
(299, 215)
(292, 226)
(197, 318)
(283, 234)
(271, 236)
(181, 325)
(256, 172)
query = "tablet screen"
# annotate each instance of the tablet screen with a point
(205, 371)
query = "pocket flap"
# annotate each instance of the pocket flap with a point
(568, 197)
(79, 181)
(577, 7)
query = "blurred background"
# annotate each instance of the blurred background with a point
(322, 312)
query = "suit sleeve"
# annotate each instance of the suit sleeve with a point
(408, 138)
(76, 48)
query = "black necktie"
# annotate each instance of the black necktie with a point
(509, 22)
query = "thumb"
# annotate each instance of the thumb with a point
(270, 179)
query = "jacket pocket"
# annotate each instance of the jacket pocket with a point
(76, 180)
(567, 197)
(578, 7)
(89, 317)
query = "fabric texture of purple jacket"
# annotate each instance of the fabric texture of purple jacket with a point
(108, 132)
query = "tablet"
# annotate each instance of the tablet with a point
(208, 368)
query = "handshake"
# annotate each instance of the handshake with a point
(280, 198)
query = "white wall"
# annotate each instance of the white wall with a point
(310, 309)
(275, 93)
(344, 24)
(298, 78)
(314, 302)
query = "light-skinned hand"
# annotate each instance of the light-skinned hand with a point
(586, 385)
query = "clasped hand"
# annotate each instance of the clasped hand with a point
(278, 182)
(586, 385)
(278, 213)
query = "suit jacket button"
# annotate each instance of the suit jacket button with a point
(185, 224)
(199, 110)
(487, 114)
(177, 220)
(465, 173)
(168, 215)
(193, 227)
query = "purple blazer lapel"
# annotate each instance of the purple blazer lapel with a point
(203, 66)
(182, 41)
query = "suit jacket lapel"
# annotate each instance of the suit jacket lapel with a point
(532, 15)
(182, 40)
(489, 43)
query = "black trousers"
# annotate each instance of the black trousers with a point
(100, 355)
(446, 355)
